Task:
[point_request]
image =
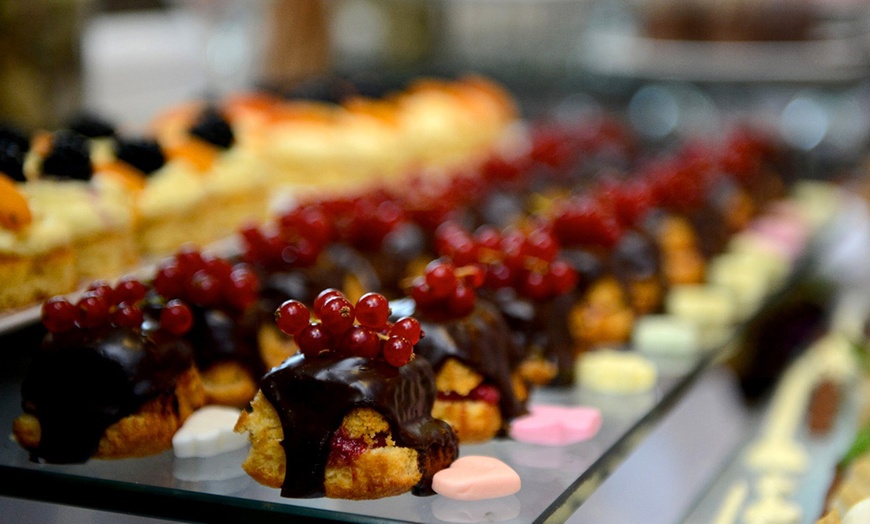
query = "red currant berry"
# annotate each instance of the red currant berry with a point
(313, 339)
(562, 276)
(101, 288)
(540, 243)
(397, 351)
(93, 310)
(488, 237)
(535, 286)
(473, 276)
(127, 315)
(59, 314)
(373, 310)
(169, 280)
(462, 301)
(129, 289)
(337, 315)
(204, 289)
(176, 317)
(240, 291)
(407, 328)
(499, 276)
(360, 341)
(291, 317)
(316, 224)
(217, 267)
(421, 293)
(441, 278)
(190, 260)
(325, 295)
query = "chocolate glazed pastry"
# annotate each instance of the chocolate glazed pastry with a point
(312, 395)
(482, 341)
(83, 382)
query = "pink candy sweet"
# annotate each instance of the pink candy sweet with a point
(476, 478)
(556, 425)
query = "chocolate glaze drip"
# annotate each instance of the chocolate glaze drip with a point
(482, 341)
(217, 336)
(82, 382)
(303, 284)
(541, 329)
(312, 396)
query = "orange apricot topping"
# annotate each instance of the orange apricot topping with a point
(14, 211)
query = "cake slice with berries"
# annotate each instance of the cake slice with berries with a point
(235, 180)
(98, 211)
(36, 255)
(350, 415)
(114, 378)
(168, 195)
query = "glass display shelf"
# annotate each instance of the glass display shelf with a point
(555, 480)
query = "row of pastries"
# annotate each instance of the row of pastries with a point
(515, 251)
(91, 201)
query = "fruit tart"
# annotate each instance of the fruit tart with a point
(350, 415)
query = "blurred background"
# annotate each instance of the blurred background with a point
(672, 65)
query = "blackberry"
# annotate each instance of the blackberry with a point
(213, 128)
(142, 153)
(91, 126)
(13, 148)
(69, 157)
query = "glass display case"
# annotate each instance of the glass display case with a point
(560, 57)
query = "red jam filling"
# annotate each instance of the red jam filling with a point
(344, 449)
(484, 392)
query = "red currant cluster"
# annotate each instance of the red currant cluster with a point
(446, 291)
(207, 281)
(361, 330)
(369, 220)
(104, 305)
(587, 222)
(270, 248)
(525, 260)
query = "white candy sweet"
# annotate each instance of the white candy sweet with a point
(745, 275)
(619, 372)
(711, 309)
(208, 432)
(665, 335)
(858, 514)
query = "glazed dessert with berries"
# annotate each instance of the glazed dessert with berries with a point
(470, 346)
(350, 415)
(114, 377)
(532, 286)
(223, 335)
(98, 210)
(37, 260)
(295, 258)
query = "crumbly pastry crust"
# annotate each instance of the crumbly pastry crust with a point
(377, 472)
(146, 432)
(228, 383)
